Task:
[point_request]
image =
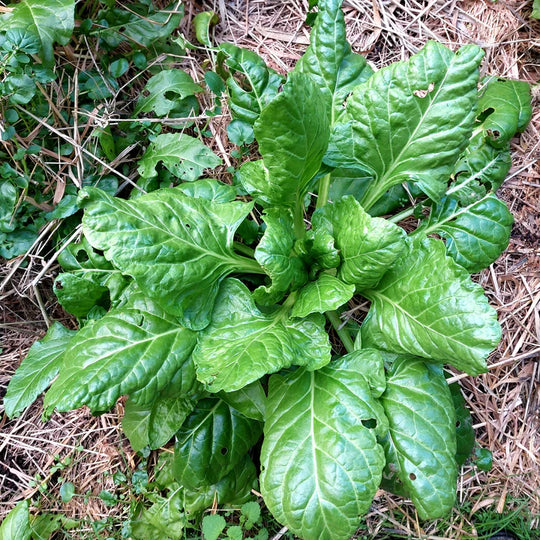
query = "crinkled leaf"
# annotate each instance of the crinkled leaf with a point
(251, 83)
(134, 350)
(476, 234)
(329, 60)
(177, 248)
(184, 156)
(249, 400)
(464, 429)
(51, 21)
(276, 256)
(242, 344)
(327, 293)
(16, 525)
(318, 251)
(504, 109)
(37, 370)
(292, 132)
(410, 121)
(138, 26)
(154, 424)
(480, 169)
(164, 520)
(428, 306)
(420, 446)
(209, 189)
(368, 246)
(163, 91)
(321, 463)
(78, 295)
(211, 442)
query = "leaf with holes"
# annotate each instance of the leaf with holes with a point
(185, 157)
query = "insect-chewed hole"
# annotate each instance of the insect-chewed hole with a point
(458, 423)
(485, 113)
(423, 93)
(370, 423)
(58, 285)
(224, 451)
(412, 476)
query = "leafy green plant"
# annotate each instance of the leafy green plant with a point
(220, 310)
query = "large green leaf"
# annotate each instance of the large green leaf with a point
(16, 525)
(251, 83)
(329, 60)
(368, 246)
(211, 442)
(410, 121)
(154, 424)
(327, 293)
(321, 463)
(51, 21)
(157, 94)
(420, 446)
(209, 189)
(37, 370)
(276, 256)
(428, 306)
(476, 234)
(292, 132)
(177, 248)
(242, 343)
(164, 520)
(135, 350)
(504, 109)
(249, 400)
(184, 156)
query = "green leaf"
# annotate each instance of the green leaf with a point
(202, 23)
(212, 526)
(398, 125)
(251, 83)
(51, 21)
(536, 9)
(37, 370)
(134, 350)
(329, 61)
(428, 306)
(177, 248)
(368, 246)
(476, 234)
(164, 90)
(277, 257)
(78, 295)
(321, 464)
(153, 425)
(8, 199)
(140, 27)
(483, 459)
(464, 429)
(185, 157)
(16, 525)
(233, 489)
(326, 294)
(211, 442)
(67, 491)
(44, 525)
(242, 344)
(164, 520)
(504, 109)
(209, 189)
(249, 400)
(118, 67)
(421, 444)
(240, 132)
(292, 132)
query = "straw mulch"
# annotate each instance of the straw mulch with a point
(505, 402)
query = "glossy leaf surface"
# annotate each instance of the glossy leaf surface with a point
(184, 156)
(249, 400)
(132, 350)
(464, 425)
(421, 444)
(211, 442)
(177, 248)
(410, 121)
(368, 246)
(37, 370)
(242, 343)
(427, 305)
(321, 464)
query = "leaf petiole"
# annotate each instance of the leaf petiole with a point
(335, 320)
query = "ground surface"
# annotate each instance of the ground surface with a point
(505, 402)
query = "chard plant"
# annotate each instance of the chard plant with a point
(220, 310)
